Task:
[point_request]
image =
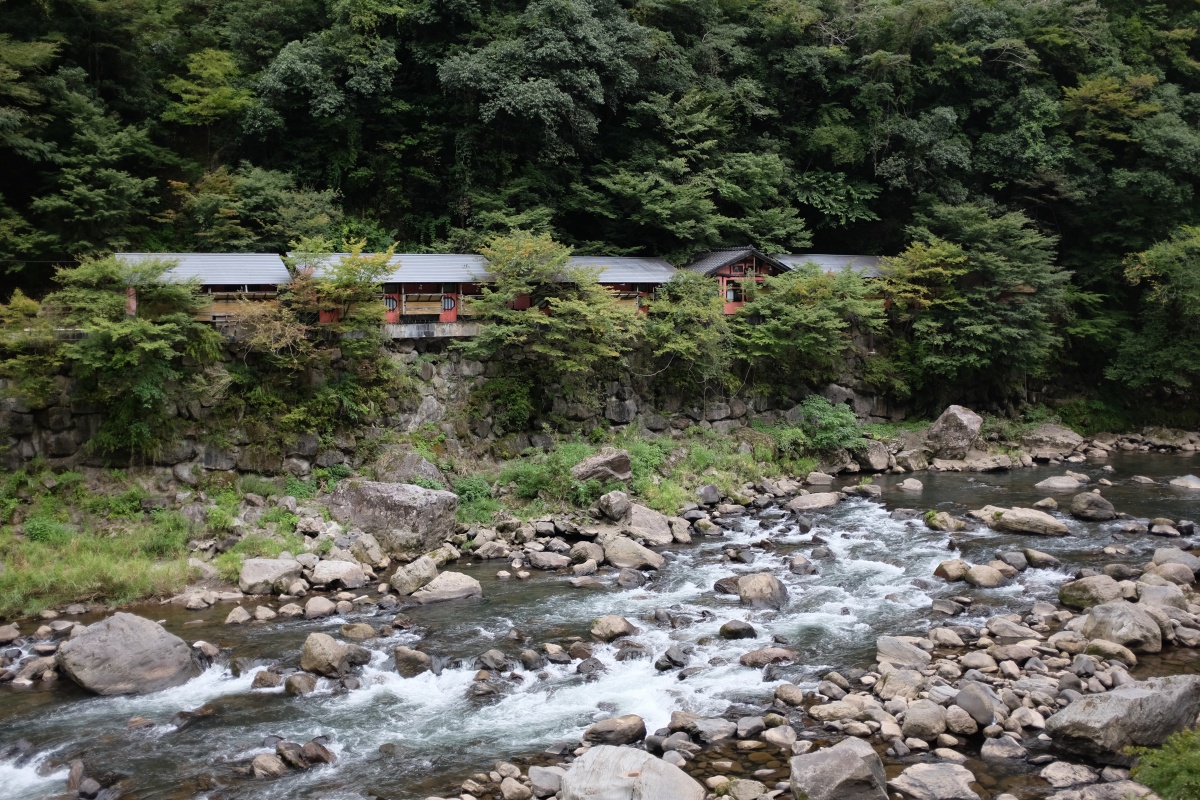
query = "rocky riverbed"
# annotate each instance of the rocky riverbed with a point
(722, 652)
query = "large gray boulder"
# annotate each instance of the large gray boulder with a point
(412, 576)
(126, 654)
(1141, 714)
(1021, 520)
(762, 590)
(398, 464)
(625, 553)
(338, 573)
(448, 586)
(1090, 591)
(874, 457)
(616, 730)
(264, 575)
(900, 654)
(1124, 623)
(1049, 441)
(1185, 482)
(622, 773)
(607, 466)
(953, 433)
(653, 526)
(850, 770)
(1062, 484)
(1092, 507)
(935, 782)
(406, 520)
(814, 502)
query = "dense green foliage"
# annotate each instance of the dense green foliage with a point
(989, 144)
(1173, 770)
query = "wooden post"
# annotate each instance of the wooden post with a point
(130, 301)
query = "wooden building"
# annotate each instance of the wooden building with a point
(734, 268)
(225, 278)
(632, 279)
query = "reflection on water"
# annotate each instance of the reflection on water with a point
(879, 581)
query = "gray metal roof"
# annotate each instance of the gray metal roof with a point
(867, 266)
(219, 268)
(626, 269)
(432, 268)
(708, 263)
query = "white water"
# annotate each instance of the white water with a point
(878, 582)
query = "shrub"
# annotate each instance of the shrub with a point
(47, 530)
(301, 490)
(283, 520)
(257, 484)
(1173, 770)
(166, 536)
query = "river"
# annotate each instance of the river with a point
(407, 739)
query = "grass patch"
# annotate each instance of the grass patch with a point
(475, 502)
(257, 484)
(229, 563)
(283, 520)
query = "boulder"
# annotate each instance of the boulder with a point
(607, 466)
(953, 570)
(323, 655)
(448, 586)
(984, 576)
(924, 719)
(412, 576)
(1021, 520)
(398, 464)
(953, 433)
(1185, 482)
(978, 701)
(874, 457)
(768, 655)
(1092, 507)
(708, 494)
(1140, 714)
(1061, 775)
(1090, 591)
(266, 766)
(653, 526)
(737, 629)
(622, 773)
(624, 553)
(935, 782)
(1124, 623)
(761, 590)
(616, 731)
(1048, 441)
(1173, 555)
(1061, 484)
(126, 654)
(850, 770)
(338, 573)
(900, 654)
(614, 505)
(406, 520)
(410, 662)
(611, 627)
(264, 575)
(548, 560)
(318, 607)
(814, 501)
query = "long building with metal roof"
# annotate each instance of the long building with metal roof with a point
(220, 269)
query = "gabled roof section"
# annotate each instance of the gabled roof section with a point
(221, 269)
(430, 268)
(710, 262)
(626, 269)
(867, 266)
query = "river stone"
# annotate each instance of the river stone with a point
(618, 730)
(900, 654)
(1139, 714)
(814, 501)
(1090, 591)
(262, 575)
(357, 631)
(762, 590)
(299, 683)
(1048, 441)
(978, 702)
(406, 520)
(1173, 555)
(614, 505)
(1001, 748)
(953, 433)
(1092, 507)
(237, 616)
(126, 654)
(924, 719)
(768, 655)
(513, 789)
(607, 466)
(624, 553)
(1061, 775)
(953, 570)
(547, 560)
(545, 781)
(984, 577)
(412, 576)
(1021, 520)
(1059, 483)
(398, 464)
(448, 586)
(1002, 626)
(850, 770)
(1111, 651)
(1124, 623)
(935, 782)
(622, 773)
(653, 526)
(737, 629)
(610, 627)
(318, 607)
(323, 655)
(1162, 596)
(268, 765)
(1039, 560)
(341, 573)
(712, 729)
(411, 663)
(1186, 482)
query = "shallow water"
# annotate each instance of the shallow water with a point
(880, 582)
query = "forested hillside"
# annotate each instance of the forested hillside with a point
(1051, 144)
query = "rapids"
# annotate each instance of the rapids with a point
(405, 739)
